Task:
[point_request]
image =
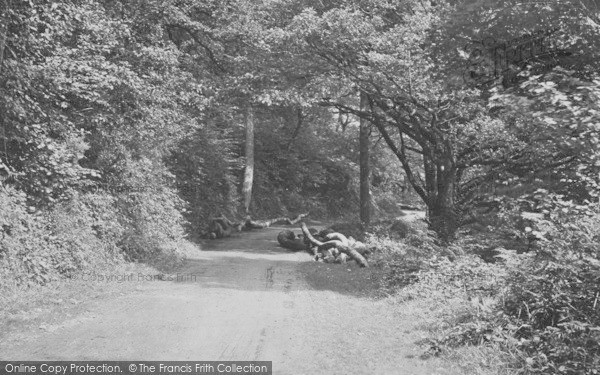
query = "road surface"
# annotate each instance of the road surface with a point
(242, 298)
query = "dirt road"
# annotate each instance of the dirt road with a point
(242, 298)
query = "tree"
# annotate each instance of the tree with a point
(412, 114)
(533, 60)
(558, 112)
(249, 168)
(403, 57)
(365, 181)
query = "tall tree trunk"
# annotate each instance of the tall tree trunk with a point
(249, 170)
(231, 194)
(3, 33)
(365, 193)
(299, 121)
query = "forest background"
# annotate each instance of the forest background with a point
(126, 125)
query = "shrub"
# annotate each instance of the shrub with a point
(407, 260)
(545, 310)
(554, 298)
(90, 230)
(37, 247)
(153, 224)
(540, 305)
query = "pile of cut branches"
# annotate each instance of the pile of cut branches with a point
(326, 246)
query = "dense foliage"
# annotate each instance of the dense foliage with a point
(123, 130)
(125, 120)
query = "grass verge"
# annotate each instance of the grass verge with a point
(23, 308)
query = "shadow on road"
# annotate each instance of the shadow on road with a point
(347, 279)
(255, 261)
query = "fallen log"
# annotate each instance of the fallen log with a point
(337, 236)
(297, 219)
(216, 230)
(342, 258)
(312, 249)
(408, 207)
(220, 227)
(288, 239)
(350, 242)
(339, 244)
(261, 224)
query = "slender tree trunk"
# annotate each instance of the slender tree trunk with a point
(231, 192)
(249, 170)
(3, 33)
(300, 120)
(365, 193)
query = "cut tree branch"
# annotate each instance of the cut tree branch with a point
(339, 245)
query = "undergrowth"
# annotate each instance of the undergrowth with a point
(88, 232)
(499, 310)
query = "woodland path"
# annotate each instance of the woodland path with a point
(243, 298)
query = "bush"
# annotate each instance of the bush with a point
(553, 297)
(152, 223)
(408, 260)
(546, 308)
(86, 232)
(37, 247)
(539, 305)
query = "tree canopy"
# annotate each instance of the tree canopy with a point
(149, 98)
